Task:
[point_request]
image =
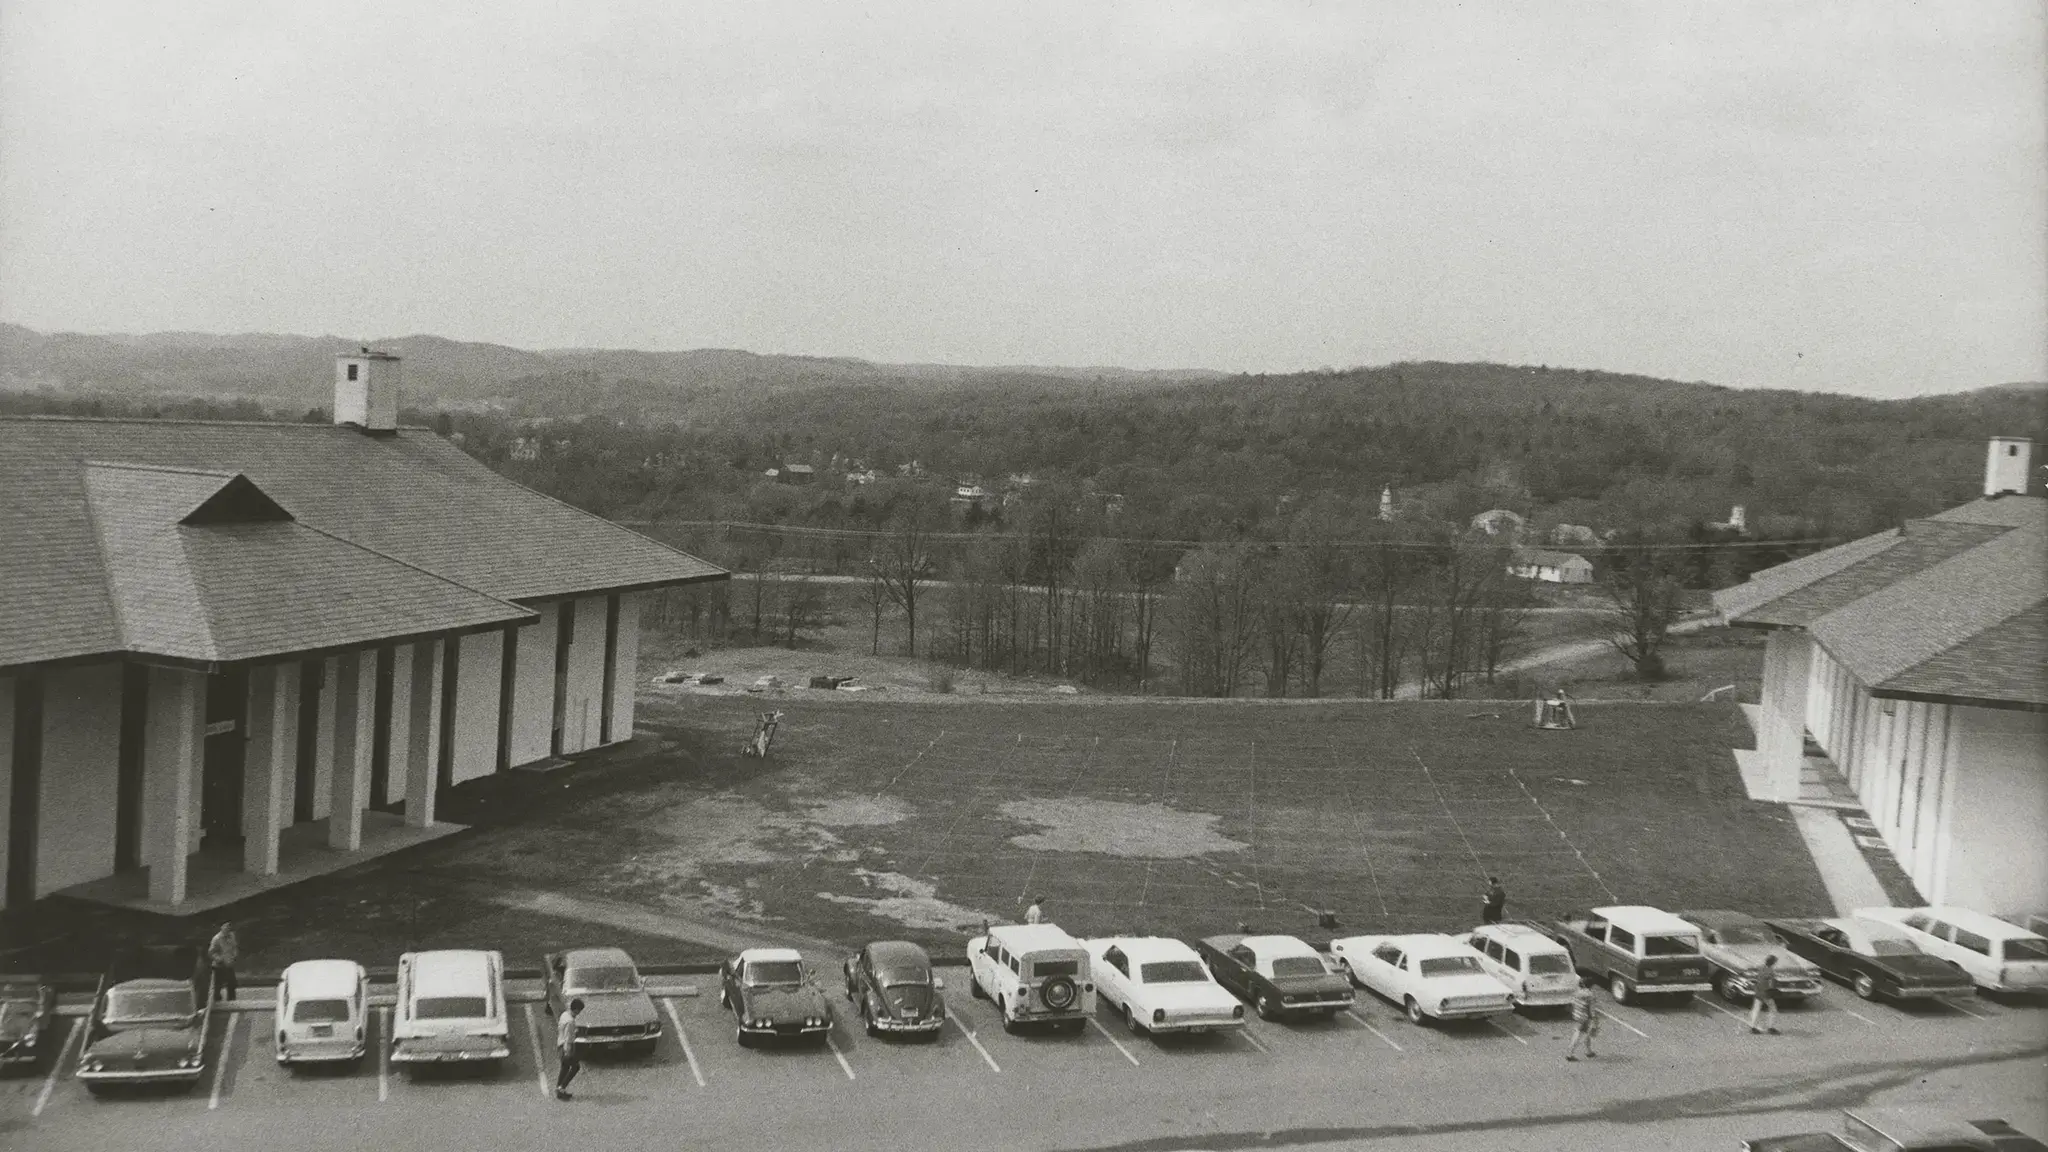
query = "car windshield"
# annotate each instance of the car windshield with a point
(1172, 972)
(1892, 946)
(1056, 967)
(1671, 945)
(767, 972)
(448, 1007)
(1747, 934)
(155, 1004)
(1298, 966)
(618, 979)
(1550, 964)
(320, 1012)
(2023, 949)
(1450, 965)
(905, 978)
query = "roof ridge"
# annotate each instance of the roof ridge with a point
(180, 469)
(67, 418)
(106, 565)
(381, 555)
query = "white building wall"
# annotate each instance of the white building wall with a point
(81, 763)
(626, 665)
(6, 770)
(1998, 856)
(401, 723)
(476, 705)
(533, 688)
(323, 740)
(583, 712)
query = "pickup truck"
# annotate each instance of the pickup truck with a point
(1903, 1130)
(149, 1019)
(1637, 950)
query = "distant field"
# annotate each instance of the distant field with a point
(878, 819)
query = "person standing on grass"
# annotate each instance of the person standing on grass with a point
(565, 1044)
(1763, 996)
(221, 953)
(1036, 913)
(1496, 902)
(1585, 1020)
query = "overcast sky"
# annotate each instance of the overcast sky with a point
(1843, 196)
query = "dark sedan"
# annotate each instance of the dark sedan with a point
(1278, 976)
(618, 1014)
(772, 995)
(892, 987)
(1878, 961)
(27, 1008)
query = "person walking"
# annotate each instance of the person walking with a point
(1036, 913)
(565, 1045)
(1496, 902)
(1763, 996)
(221, 953)
(1585, 1020)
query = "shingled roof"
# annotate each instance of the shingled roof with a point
(215, 541)
(1951, 608)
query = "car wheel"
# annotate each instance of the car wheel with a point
(1267, 1010)
(974, 987)
(867, 1020)
(1617, 986)
(1725, 985)
(1131, 1022)
(1865, 986)
(1415, 1013)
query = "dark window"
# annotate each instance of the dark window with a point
(1621, 938)
(1511, 958)
(2012, 449)
(1975, 943)
(352, 371)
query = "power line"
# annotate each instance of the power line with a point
(805, 532)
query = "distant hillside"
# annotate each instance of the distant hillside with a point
(298, 370)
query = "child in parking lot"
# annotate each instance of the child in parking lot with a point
(565, 1040)
(1585, 1021)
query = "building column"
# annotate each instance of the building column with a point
(175, 734)
(273, 745)
(422, 737)
(355, 693)
(1782, 736)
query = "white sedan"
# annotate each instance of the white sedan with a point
(1160, 985)
(1432, 977)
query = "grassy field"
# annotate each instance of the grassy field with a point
(882, 819)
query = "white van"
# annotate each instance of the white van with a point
(1536, 969)
(2000, 957)
(321, 1006)
(451, 1008)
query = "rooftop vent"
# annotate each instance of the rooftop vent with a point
(2005, 466)
(366, 390)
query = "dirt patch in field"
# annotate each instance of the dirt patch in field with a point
(1113, 828)
(910, 902)
(857, 812)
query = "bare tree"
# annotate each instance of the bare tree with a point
(1325, 584)
(1214, 619)
(1388, 574)
(1645, 598)
(905, 557)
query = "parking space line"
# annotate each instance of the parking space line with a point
(1113, 1040)
(540, 1060)
(1965, 1011)
(1360, 1021)
(1861, 1016)
(1521, 1039)
(383, 1055)
(1731, 1013)
(220, 1061)
(1623, 1023)
(689, 1056)
(1254, 1041)
(56, 1069)
(976, 1041)
(838, 1055)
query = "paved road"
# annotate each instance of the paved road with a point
(1669, 1077)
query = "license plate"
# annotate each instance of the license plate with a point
(323, 1029)
(1199, 1028)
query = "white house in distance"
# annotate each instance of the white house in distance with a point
(237, 654)
(1918, 660)
(1550, 566)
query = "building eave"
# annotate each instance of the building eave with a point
(1959, 701)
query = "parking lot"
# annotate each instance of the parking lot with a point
(1672, 1069)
